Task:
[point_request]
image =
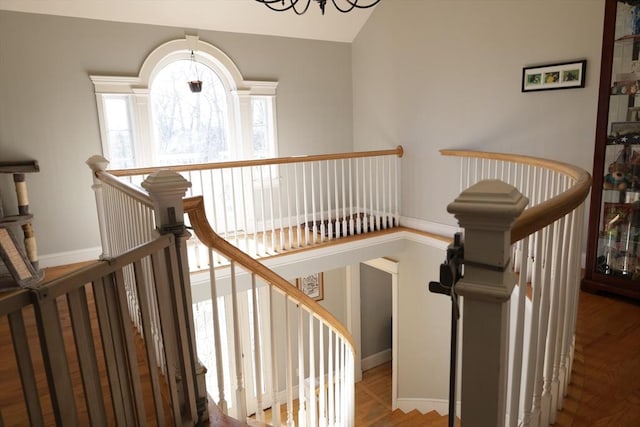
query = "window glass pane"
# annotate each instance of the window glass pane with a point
(263, 145)
(118, 127)
(189, 127)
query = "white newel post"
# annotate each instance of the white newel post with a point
(98, 164)
(486, 211)
(167, 189)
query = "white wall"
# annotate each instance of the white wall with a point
(424, 328)
(433, 74)
(48, 109)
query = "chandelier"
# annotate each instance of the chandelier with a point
(301, 6)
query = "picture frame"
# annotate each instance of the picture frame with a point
(565, 75)
(312, 286)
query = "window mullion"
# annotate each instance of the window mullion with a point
(245, 128)
(143, 127)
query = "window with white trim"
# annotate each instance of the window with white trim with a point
(154, 119)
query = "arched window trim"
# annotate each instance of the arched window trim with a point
(239, 96)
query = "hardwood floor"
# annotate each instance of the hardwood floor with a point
(605, 387)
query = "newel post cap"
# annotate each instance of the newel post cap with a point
(97, 163)
(167, 188)
(487, 211)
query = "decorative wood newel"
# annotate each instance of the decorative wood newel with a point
(167, 189)
(98, 164)
(486, 211)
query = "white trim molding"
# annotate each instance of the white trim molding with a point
(70, 257)
(377, 359)
(441, 406)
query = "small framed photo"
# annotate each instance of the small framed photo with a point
(567, 75)
(312, 286)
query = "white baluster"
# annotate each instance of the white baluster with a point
(352, 227)
(545, 306)
(518, 347)
(256, 243)
(322, 225)
(358, 207)
(302, 413)
(297, 192)
(262, 211)
(397, 192)
(383, 192)
(331, 382)
(344, 201)
(365, 213)
(372, 214)
(258, 353)
(304, 205)
(241, 399)
(280, 217)
(311, 408)
(245, 224)
(271, 210)
(329, 214)
(275, 401)
(234, 215)
(288, 175)
(336, 225)
(377, 175)
(225, 219)
(314, 228)
(222, 403)
(290, 421)
(322, 404)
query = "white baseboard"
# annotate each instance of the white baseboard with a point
(376, 359)
(441, 406)
(70, 257)
(429, 226)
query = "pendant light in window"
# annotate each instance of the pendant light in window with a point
(195, 84)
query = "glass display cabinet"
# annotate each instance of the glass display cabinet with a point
(613, 248)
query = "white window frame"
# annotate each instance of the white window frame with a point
(239, 95)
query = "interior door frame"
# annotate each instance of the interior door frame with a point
(353, 317)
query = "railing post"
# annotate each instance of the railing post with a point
(486, 211)
(97, 164)
(167, 189)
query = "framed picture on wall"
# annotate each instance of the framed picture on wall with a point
(566, 75)
(312, 285)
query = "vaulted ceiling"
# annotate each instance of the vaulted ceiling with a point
(242, 16)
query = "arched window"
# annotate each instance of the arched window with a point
(154, 119)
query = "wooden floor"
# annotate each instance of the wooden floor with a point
(605, 388)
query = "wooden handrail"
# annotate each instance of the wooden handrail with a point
(538, 217)
(194, 207)
(125, 187)
(398, 151)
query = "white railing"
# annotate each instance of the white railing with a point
(271, 206)
(308, 365)
(288, 354)
(528, 320)
(126, 220)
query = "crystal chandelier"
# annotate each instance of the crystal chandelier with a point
(301, 6)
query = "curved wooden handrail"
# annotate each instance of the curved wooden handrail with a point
(132, 191)
(194, 207)
(398, 151)
(539, 216)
